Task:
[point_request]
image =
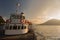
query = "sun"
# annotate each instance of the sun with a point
(58, 18)
(55, 15)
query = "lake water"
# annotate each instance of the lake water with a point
(47, 32)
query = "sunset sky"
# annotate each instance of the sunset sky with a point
(37, 11)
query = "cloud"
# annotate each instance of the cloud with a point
(42, 9)
(39, 10)
(36, 20)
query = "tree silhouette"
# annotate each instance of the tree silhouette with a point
(2, 21)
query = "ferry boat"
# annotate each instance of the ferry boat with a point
(16, 25)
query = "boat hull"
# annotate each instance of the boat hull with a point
(15, 32)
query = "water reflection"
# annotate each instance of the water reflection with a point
(47, 32)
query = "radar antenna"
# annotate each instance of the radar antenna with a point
(17, 7)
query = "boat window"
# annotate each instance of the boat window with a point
(24, 27)
(10, 27)
(6, 27)
(14, 27)
(18, 27)
(23, 17)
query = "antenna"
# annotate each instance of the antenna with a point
(17, 6)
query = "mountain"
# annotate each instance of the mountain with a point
(52, 22)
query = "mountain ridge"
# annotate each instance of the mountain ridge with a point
(52, 22)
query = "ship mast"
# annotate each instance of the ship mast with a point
(17, 7)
